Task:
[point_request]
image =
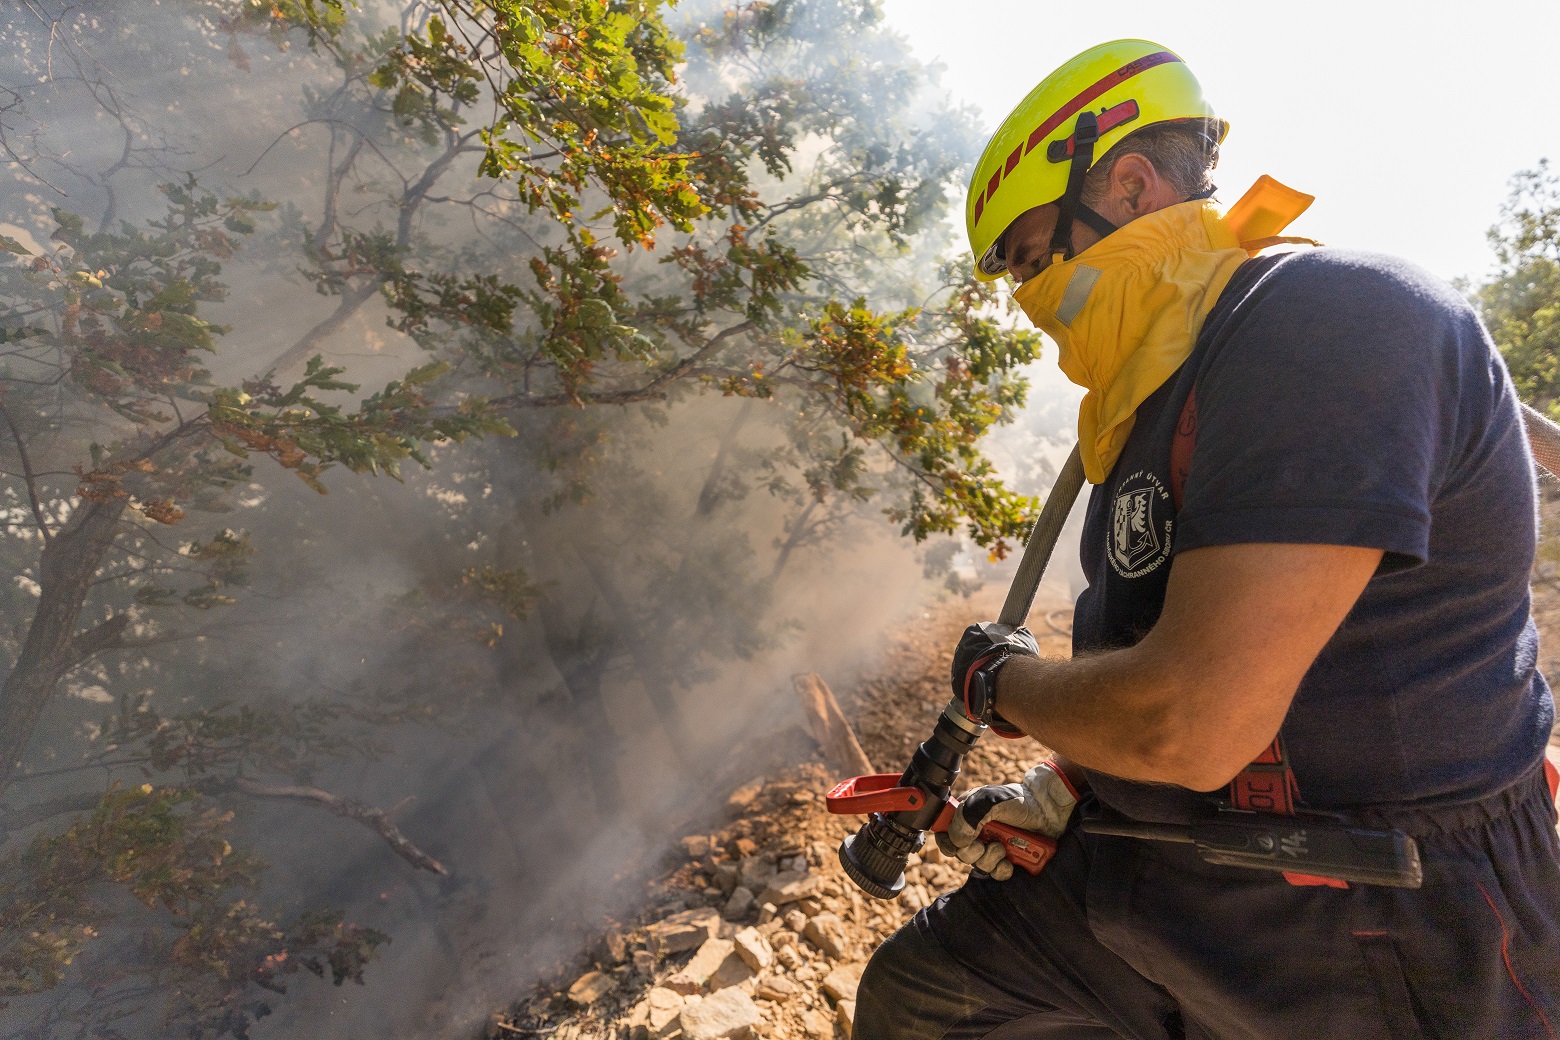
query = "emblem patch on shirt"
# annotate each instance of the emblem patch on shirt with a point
(1140, 526)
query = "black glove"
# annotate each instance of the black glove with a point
(981, 653)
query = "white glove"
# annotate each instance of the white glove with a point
(1043, 803)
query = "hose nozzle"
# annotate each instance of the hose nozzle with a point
(902, 809)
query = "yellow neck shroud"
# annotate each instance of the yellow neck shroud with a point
(1126, 312)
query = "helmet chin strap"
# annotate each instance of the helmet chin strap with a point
(1097, 223)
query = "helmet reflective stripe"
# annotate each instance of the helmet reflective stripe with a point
(1061, 151)
(1044, 130)
(1121, 86)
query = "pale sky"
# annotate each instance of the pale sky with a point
(1405, 120)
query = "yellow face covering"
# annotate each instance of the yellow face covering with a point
(1126, 312)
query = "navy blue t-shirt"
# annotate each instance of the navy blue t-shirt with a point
(1346, 398)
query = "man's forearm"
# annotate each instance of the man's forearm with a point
(1114, 712)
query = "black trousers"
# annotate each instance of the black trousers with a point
(1123, 938)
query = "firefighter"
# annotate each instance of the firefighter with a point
(1308, 547)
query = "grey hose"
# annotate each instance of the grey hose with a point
(1042, 540)
(1543, 439)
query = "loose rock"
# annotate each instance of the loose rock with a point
(754, 949)
(683, 931)
(790, 885)
(777, 834)
(745, 795)
(845, 1015)
(827, 932)
(696, 846)
(591, 987)
(739, 905)
(697, 972)
(841, 983)
(662, 1007)
(727, 875)
(614, 946)
(755, 870)
(818, 1024)
(733, 971)
(639, 1021)
(729, 1013)
(776, 988)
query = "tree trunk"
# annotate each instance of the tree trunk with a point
(66, 567)
(828, 725)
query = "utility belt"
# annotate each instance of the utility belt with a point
(1259, 825)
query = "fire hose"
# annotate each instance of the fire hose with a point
(902, 809)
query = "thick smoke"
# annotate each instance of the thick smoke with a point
(546, 755)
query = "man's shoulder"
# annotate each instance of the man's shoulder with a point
(1367, 315)
(1346, 281)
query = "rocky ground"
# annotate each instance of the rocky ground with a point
(754, 930)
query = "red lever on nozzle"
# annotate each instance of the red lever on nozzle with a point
(879, 792)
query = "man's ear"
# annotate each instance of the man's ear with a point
(1135, 189)
(1133, 181)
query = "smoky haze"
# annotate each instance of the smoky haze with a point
(660, 569)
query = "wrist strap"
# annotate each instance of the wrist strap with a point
(999, 725)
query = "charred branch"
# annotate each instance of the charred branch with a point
(376, 820)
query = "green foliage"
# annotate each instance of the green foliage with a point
(930, 422)
(508, 590)
(127, 335)
(584, 82)
(752, 302)
(277, 19)
(110, 411)
(1521, 303)
(306, 434)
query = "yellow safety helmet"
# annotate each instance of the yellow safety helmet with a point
(1041, 151)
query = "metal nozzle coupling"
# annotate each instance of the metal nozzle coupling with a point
(874, 857)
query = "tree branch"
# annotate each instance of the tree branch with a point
(105, 635)
(370, 817)
(651, 391)
(28, 476)
(351, 299)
